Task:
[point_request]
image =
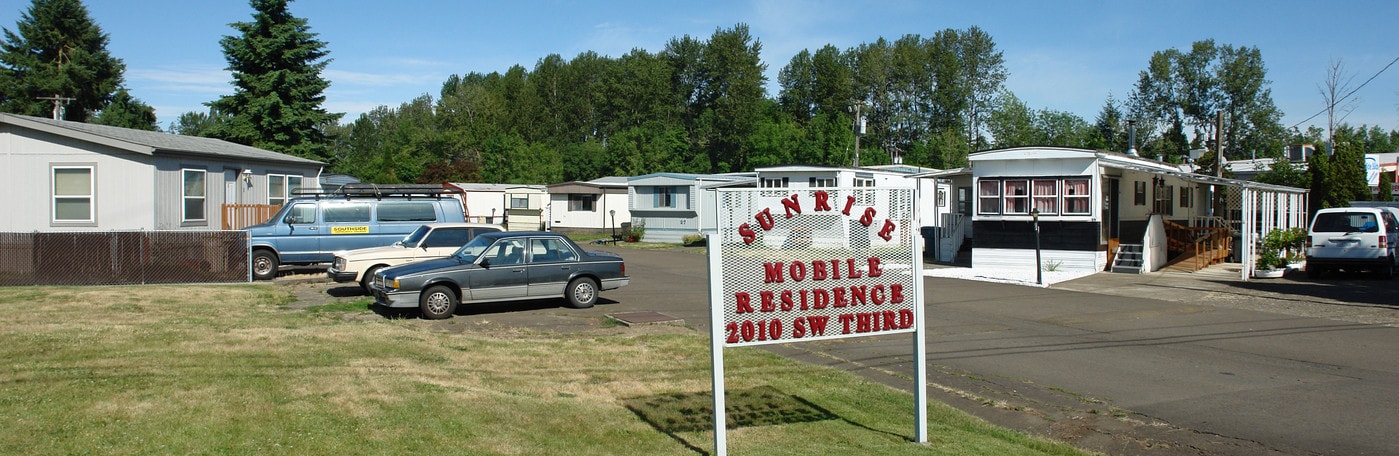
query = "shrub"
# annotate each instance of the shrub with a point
(693, 240)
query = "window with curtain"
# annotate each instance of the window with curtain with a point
(1186, 198)
(276, 189)
(194, 195)
(73, 194)
(989, 197)
(1017, 196)
(1076, 197)
(1046, 196)
(1139, 195)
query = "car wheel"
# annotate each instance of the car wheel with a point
(1387, 272)
(581, 293)
(437, 302)
(369, 279)
(265, 265)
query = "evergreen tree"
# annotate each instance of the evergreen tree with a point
(58, 53)
(278, 90)
(127, 112)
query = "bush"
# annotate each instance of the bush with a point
(636, 232)
(694, 240)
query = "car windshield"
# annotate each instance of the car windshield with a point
(412, 239)
(473, 249)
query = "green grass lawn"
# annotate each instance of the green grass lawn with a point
(233, 370)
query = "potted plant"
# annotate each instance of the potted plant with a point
(1271, 263)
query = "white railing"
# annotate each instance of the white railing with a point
(953, 233)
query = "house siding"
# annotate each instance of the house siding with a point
(27, 157)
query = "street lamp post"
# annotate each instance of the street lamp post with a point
(613, 213)
(1039, 275)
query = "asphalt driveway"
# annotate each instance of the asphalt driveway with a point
(1160, 363)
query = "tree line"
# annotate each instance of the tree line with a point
(696, 106)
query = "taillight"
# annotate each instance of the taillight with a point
(624, 269)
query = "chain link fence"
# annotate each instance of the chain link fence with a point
(123, 257)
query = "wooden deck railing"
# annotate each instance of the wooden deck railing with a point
(239, 216)
(1202, 245)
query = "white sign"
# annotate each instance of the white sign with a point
(791, 265)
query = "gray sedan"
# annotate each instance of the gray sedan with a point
(506, 266)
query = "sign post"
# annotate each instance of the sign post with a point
(798, 265)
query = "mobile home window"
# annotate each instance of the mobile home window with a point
(1076, 198)
(1017, 196)
(194, 195)
(773, 182)
(665, 197)
(821, 182)
(1046, 197)
(1139, 195)
(519, 202)
(989, 197)
(72, 194)
(280, 187)
(580, 202)
(864, 182)
(1186, 197)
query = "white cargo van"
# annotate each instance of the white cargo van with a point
(1353, 239)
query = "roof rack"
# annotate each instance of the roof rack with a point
(379, 191)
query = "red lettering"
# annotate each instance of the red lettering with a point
(835, 269)
(896, 293)
(875, 269)
(821, 299)
(747, 233)
(787, 303)
(772, 272)
(868, 218)
(849, 202)
(805, 293)
(797, 270)
(818, 270)
(799, 327)
(905, 318)
(857, 295)
(862, 322)
(814, 325)
(888, 231)
(877, 294)
(745, 304)
(732, 329)
(791, 205)
(838, 297)
(765, 219)
(850, 269)
(890, 320)
(823, 201)
(768, 304)
(846, 320)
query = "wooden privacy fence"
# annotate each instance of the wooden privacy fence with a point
(239, 216)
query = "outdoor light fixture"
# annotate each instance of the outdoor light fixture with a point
(248, 176)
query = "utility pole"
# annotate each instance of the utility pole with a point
(859, 130)
(58, 104)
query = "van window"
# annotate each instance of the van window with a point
(1345, 222)
(407, 212)
(347, 213)
(301, 213)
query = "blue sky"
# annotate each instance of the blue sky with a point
(1066, 56)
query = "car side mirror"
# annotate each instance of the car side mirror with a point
(485, 263)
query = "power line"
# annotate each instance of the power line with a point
(1347, 95)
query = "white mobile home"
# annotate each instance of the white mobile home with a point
(672, 205)
(597, 206)
(1098, 210)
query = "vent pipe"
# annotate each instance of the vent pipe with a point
(1132, 137)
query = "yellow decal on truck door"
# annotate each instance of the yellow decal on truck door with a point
(361, 229)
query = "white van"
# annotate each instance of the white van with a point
(1352, 239)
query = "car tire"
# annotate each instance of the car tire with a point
(265, 265)
(368, 278)
(581, 293)
(1387, 272)
(1313, 272)
(437, 302)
